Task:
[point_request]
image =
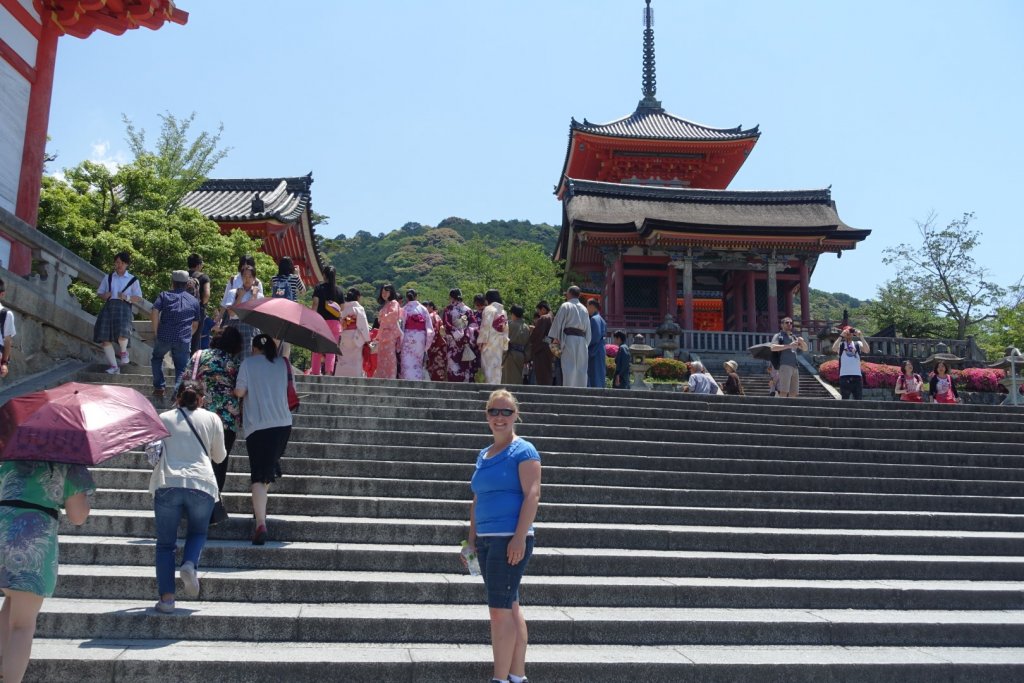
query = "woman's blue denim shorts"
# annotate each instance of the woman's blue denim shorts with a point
(501, 579)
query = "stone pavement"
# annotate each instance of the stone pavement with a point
(680, 538)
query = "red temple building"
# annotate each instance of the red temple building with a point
(650, 228)
(275, 210)
(29, 31)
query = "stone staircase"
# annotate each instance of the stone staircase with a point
(680, 538)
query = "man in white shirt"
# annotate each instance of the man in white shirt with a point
(851, 381)
(7, 331)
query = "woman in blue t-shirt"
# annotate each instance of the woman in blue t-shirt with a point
(506, 494)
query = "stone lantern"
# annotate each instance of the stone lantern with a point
(1013, 362)
(667, 337)
(640, 353)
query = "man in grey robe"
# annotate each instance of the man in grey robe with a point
(571, 329)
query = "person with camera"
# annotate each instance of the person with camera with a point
(786, 344)
(850, 346)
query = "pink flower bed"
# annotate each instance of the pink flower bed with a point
(877, 376)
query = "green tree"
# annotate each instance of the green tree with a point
(524, 273)
(179, 165)
(943, 275)
(898, 304)
(98, 212)
(1006, 328)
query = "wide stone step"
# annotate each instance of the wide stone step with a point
(407, 482)
(297, 586)
(238, 501)
(579, 468)
(551, 561)
(458, 624)
(555, 400)
(106, 660)
(609, 536)
(647, 428)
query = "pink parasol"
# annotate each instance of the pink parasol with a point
(83, 424)
(288, 321)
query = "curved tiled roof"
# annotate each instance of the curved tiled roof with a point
(284, 199)
(656, 124)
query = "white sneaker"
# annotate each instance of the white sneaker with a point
(124, 358)
(189, 580)
(113, 370)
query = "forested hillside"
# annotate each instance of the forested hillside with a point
(409, 253)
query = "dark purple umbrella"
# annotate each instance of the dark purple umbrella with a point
(82, 424)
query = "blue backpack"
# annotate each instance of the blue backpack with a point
(283, 289)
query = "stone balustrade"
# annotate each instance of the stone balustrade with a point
(51, 325)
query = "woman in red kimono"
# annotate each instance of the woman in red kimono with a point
(437, 353)
(390, 336)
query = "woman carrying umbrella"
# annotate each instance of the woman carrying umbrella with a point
(30, 495)
(183, 483)
(262, 385)
(390, 335)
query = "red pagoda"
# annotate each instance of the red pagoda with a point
(650, 227)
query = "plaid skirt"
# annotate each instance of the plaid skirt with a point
(114, 321)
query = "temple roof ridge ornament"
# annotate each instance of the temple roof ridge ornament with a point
(650, 80)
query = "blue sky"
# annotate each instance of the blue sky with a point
(418, 110)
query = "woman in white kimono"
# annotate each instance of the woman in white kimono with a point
(419, 334)
(493, 337)
(355, 332)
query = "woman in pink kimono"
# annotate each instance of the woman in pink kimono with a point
(493, 337)
(437, 352)
(355, 332)
(390, 335)
(459, 337)
(419, 334)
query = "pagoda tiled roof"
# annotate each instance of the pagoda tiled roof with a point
(656, 124)
(593, 204)
(224, 200)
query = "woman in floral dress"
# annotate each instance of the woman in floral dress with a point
(456, 320)
(32, 493)
(437, 353)
(418, 335)
(217, 368)
(390, 335)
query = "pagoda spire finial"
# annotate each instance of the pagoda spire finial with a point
(650, 88)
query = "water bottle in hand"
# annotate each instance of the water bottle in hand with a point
(472, 562)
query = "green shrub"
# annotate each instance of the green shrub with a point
(668, 369)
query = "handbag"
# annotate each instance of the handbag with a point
(468, 355)
(293, 396)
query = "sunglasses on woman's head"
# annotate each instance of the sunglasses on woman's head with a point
(504, 412)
